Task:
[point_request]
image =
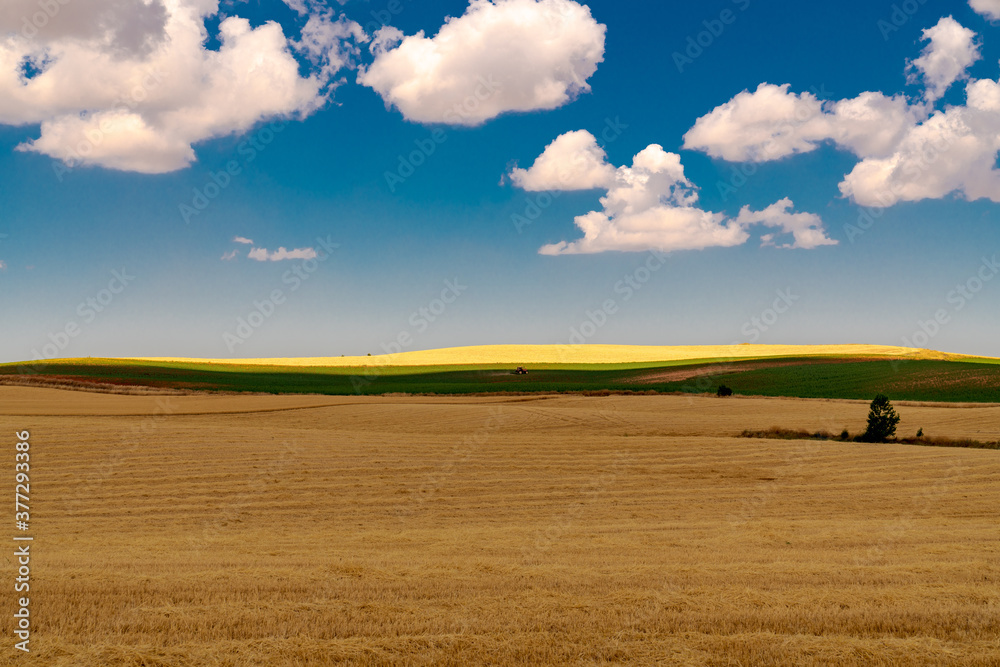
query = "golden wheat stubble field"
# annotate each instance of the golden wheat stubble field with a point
(307, 530)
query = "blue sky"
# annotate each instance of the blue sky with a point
(309, 121)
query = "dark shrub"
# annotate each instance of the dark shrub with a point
(724, 391)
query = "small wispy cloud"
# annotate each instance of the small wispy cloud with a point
(3, 265)
(263, 255)
(229, 256)
(242, 239)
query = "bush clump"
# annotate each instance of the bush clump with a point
(779, 433)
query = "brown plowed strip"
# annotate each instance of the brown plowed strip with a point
(686, 373)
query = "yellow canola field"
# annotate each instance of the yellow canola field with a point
(577, 354)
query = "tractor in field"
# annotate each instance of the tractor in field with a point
(520, 370)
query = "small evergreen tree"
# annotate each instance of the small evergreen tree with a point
(882, 420)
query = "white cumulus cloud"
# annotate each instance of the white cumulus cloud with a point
(771, 123)
(988, 8)
(908, 151)
(766, 124)
(242, 239)
(953, 151)
(229, 255)
(806, 228)
(871, 124)
(133, 87)
(652, 205)
(500, 56)
(951, 52)
(117, 26)
(263, 255)
(574, 161)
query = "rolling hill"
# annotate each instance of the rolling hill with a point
(834, 371)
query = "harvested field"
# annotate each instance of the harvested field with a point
(313, 530)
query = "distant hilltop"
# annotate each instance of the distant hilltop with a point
(581, 354)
